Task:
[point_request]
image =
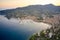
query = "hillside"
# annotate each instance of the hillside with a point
(32, 10)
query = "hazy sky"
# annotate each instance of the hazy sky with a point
(22, 3)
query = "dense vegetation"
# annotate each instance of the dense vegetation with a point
(49, 34)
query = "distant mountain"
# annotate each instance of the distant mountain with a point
(34, 10)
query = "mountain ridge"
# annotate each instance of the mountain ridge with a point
(33, 10)
(30, 6)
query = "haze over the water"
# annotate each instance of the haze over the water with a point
(5, 4)
(27, 24)
(14, 29)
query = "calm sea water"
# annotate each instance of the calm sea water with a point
(14, 29)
